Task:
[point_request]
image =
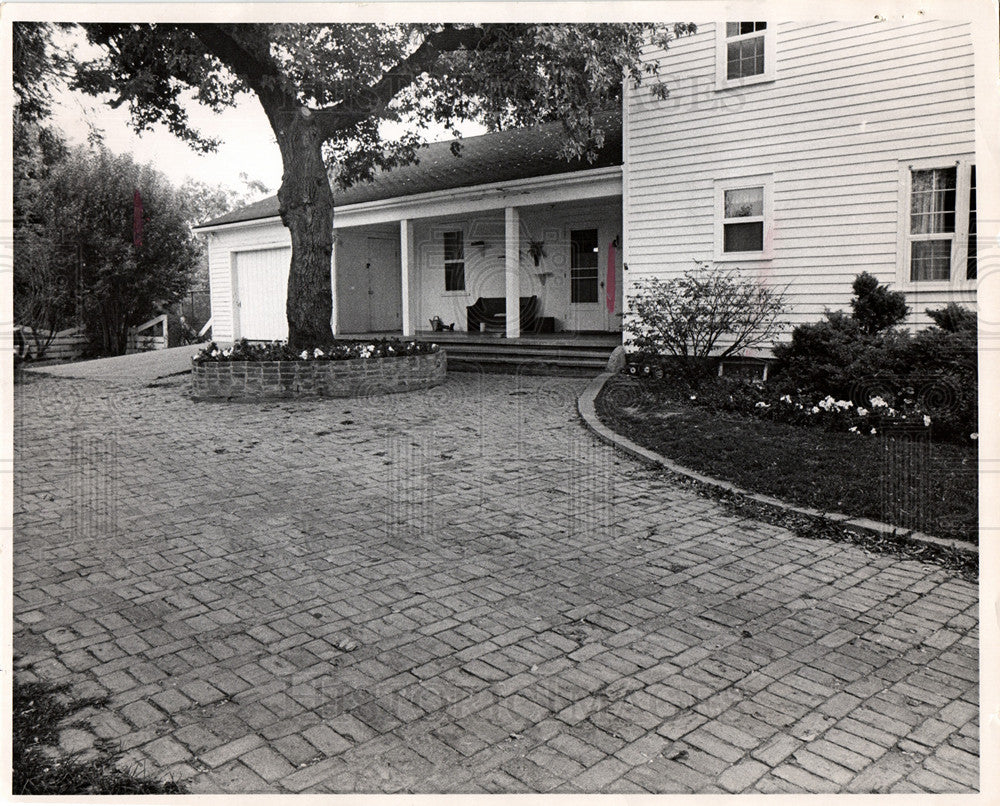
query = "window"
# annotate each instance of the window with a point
(742, 217)
(583, 265)
(454, 261)
(743, 220)
(744, 54)
(972, 256)
(939, 223)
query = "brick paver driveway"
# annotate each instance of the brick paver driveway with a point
(460, 590)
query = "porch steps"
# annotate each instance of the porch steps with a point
(558, 354)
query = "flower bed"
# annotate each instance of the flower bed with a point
(911, 409)
(344, 369)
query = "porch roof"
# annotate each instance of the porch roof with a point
(495, 157)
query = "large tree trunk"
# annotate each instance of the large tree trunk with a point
(306, 206)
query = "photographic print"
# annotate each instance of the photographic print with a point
(497, 398)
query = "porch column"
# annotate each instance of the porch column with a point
(333, 286)
(407, 272)
(512, 270)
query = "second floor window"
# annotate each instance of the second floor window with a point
(745, 49)
(745, 53)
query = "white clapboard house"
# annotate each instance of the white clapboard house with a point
(801, 153)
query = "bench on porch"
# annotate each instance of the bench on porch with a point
(492, 311)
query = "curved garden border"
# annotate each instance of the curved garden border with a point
(355, 377)
(586, 408)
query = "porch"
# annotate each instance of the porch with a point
(549, 266)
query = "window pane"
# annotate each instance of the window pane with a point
(742, 202)
(454, 276)
(583, 248)
(972, 262)
(932, 201)
(454, 248)
(745, 57)
(583, 285)
(930, 260)
(737, 28)
(747, 237)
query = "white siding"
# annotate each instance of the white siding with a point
(849, 102)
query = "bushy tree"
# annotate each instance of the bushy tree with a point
(326, 88)
(707, 312)
(875, 307)
(113, 278)
(42, 301)
(953, 318)
(860, 356)
(204, 201)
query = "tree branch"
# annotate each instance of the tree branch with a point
(254, 66)
(359, 106)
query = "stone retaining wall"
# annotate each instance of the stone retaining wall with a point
(357, 377)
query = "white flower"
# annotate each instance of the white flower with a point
(318, 353)
(878, 403)
(762, 405)
(304, 355)
(853, 429)
(785, 398)
(215, 353)
(873, 432)
(862, 412)
(228, 351)
(694, 397)
(927, 421)
(814, 410)
(433, 346)
(973, 436)
(844, 405)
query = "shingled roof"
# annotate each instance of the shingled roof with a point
(494, 157)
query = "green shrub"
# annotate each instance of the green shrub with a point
(875, 307)
(706, 314)
(932, 372)
(820, 354)
(953, 317)
(939, 370)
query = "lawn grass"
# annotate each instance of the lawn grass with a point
(911, 483)
(40, 712)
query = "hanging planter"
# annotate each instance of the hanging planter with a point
(537, 250)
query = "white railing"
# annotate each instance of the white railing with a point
(144, 337)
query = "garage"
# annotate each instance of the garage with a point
(261, 288)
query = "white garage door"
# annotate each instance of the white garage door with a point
(261, 291)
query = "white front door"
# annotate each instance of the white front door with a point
(587, 310)
(261, 289)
